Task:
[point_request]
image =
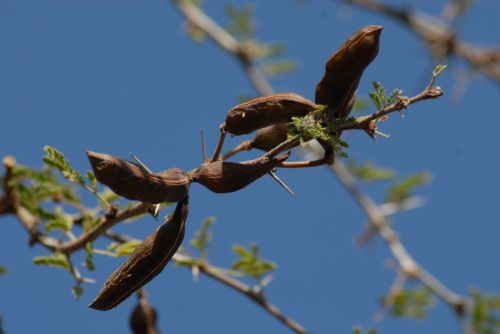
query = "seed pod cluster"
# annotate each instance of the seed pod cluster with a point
(224, 177)
(136, 183)
(146, 262)
(264, 111)
(336, 90)
(270, 116)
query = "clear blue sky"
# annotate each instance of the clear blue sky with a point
(121, 76)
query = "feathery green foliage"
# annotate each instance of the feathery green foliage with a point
(249, 262)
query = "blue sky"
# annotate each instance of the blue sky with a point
(121, 76)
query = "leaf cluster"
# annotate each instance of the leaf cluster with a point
(485, 315)
(311, 127)
(411, 302)
(381, 99)
(399, 190)
(249, 262)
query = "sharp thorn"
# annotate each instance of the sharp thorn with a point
(140, 163)
(281, 183)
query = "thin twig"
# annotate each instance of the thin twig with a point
(255, 296)
(110, 220)
(364, 122)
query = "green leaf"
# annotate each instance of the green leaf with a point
(394, 96)
(56, 159)
(127, 248)
(412, 302)
(438, 69)
(109, 196)
(402, 190)
(376, 100)
(359, 330)
(56, 260)
(250, 263)
(380, 98)
(269, 50)
(3, 270)
(36, 186)
(368, 172)
(202, 237)
(241, 24)
(77, 291)
(92, 179)
(59, 221)
(185, 262)
(279, 67)
(485, 314)
(89, 263)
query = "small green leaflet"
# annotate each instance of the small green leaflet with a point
(380, 98)
(57, 160)
(56, 260)
(127, 248)
(202, 237)
(438, 69)
(412, 302)
(77, 291)
(89, 263)
(402, 190)
(249, 262)
(59, 221)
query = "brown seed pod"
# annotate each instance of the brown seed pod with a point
(134, 182)
(264, 111)
(143, 319)
(344, 70)
(147, 261)
(269, 137)
(224, 177)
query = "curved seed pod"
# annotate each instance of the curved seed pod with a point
(147, 261)
(345, 68)
(224, 177)
(264, 111)
(269, 137)
(134, 182)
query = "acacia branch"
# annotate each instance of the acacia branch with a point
(409, 267)
(442, 40)
(113, 217)
(365, 122)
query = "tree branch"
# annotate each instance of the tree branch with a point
(442, 40)
(255, 295)
(409, 267)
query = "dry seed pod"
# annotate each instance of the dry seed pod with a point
(143, 319)
(269, 137)
(224, 177)
(134, 182)
(345, 68)
(147, 261)
(264, 111)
